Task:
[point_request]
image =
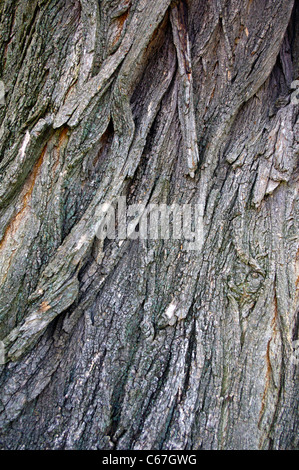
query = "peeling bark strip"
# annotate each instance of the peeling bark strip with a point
(186, 106)
(140, 343)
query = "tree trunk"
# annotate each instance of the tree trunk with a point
(143, 343)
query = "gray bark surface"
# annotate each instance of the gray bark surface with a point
(161, 102)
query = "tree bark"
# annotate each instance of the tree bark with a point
(142, 344)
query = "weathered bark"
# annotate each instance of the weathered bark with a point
(160, 101)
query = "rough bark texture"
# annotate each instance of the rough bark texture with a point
(160, 101)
